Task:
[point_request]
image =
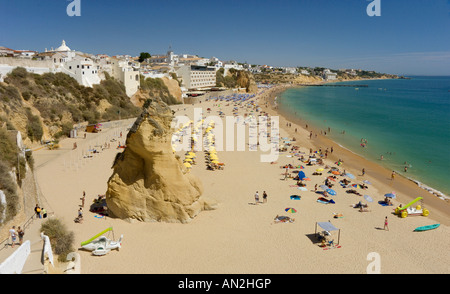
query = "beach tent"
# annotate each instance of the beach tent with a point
(328, 226)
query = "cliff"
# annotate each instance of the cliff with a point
(47, 106)
(149, 183)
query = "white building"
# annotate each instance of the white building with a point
(124, 71)
(289, 70)
(82, 69)
(329, 75)
(196, 76)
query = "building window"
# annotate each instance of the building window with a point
(70, 67)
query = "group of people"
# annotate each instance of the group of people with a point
(20, 233)
(257, 197)
(40, 211)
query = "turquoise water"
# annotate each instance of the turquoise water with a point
(403, 120)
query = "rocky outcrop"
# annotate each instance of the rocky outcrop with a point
(246, 80)
(174, 88)
(149, 183)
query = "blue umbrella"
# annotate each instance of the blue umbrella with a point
(331, 192)
(390, 195)
(301, 175)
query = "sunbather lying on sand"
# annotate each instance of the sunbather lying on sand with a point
(359, 204)
(283, 219)
(354, 192)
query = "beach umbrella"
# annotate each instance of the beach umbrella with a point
(302, 188)
(367, 182)
(188, 159)
(390, 195)
(368, 198)
(323, 187)
(291, 210)
(350, 176)
(301, 175)
(331, 192)
(335, 172)
(187, 164)
(319, 169)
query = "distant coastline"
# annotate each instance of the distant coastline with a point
(410, 187)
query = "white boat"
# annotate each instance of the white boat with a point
(102, 245)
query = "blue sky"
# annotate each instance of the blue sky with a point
(410, 36)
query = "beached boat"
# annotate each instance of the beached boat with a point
(426, 228)
(100, 245)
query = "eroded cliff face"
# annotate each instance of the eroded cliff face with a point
(149, 183)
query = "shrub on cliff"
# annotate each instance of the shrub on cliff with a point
(60, 238)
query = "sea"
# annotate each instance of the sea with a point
(404, 121)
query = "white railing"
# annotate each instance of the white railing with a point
(15, 262)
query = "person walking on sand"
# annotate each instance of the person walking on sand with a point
(13, 234)
(392, 175)
(363, 171)
(264, 197)
(386, 224)
(256, 197)
(82, 199)
(21, 233)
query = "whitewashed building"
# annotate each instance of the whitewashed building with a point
(329, 75)
(82, 69)
(197, 77)
(124, 71)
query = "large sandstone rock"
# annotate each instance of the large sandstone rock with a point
(149, 182)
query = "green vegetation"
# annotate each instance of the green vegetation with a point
(8, 161)
(143, 56)
(63, 102)
(61, 239)
(157, 88)
(34, 128)
(228, 81)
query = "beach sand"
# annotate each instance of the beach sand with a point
(241, 237)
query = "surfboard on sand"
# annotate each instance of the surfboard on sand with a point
(426, 228)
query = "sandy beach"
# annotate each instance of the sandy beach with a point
(241, 237)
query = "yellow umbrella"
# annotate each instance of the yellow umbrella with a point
(187, 164)
(215, 161)
(319, 169)
(188, 159)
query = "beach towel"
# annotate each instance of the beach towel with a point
(325, 201)
(382, 203)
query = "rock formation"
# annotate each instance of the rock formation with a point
(150, 183)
